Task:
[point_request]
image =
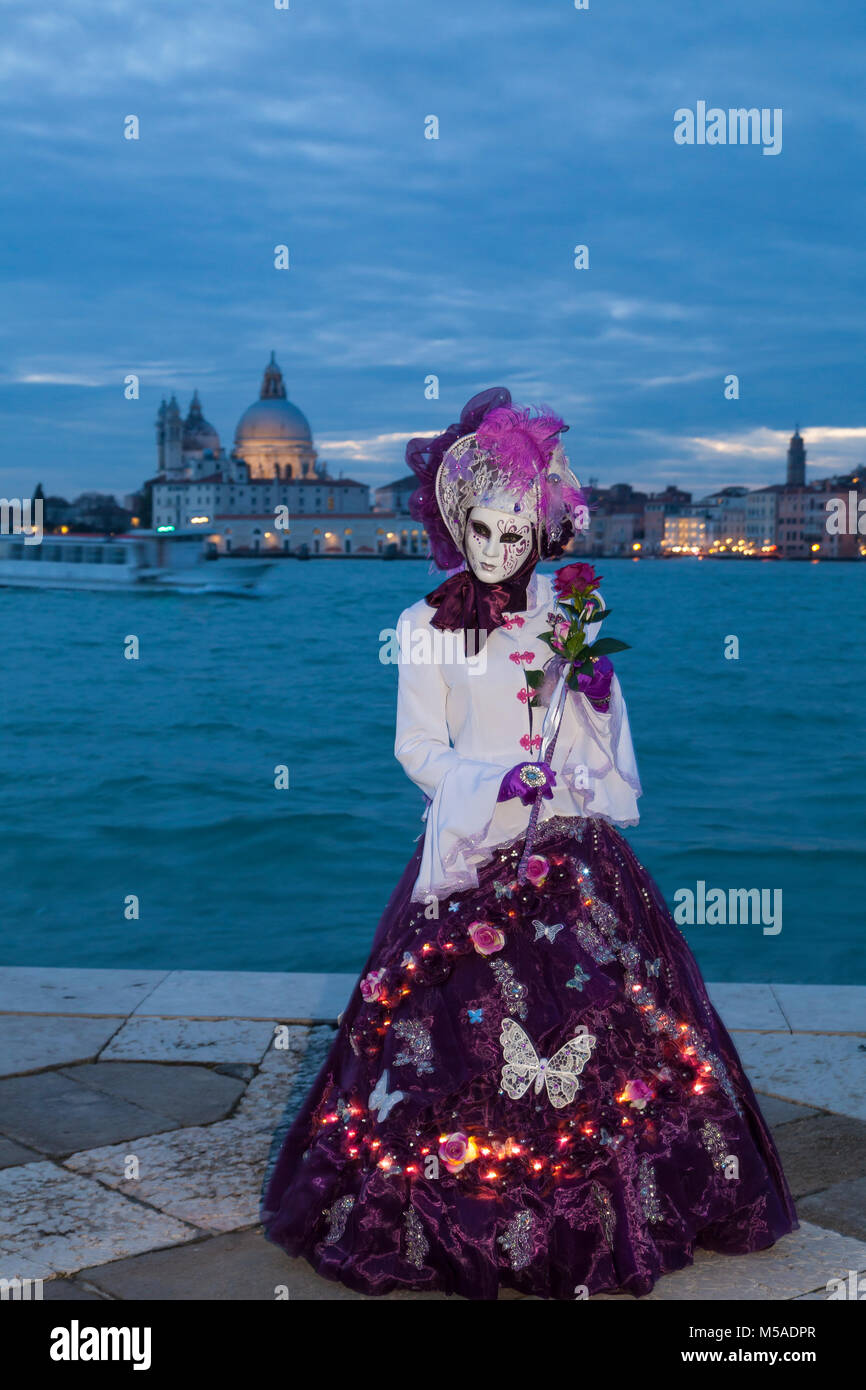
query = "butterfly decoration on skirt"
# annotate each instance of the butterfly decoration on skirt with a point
(550, 931)
(381, 1100)
(559, 1073)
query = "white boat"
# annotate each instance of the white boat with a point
(144, 561)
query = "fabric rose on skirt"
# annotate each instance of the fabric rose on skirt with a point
(372, 987)
(456, 1150)
(486, 938)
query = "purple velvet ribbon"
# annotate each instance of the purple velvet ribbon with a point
(464, 601)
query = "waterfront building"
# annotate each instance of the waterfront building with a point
(394, 497)
(762, 505)
(685, 533)
(270, 491)
(660, 505)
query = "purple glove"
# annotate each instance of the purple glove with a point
(596, 687)
(528, 781)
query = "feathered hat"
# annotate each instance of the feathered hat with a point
(497, 456)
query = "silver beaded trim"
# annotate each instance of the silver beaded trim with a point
(649, 1198)
(606, 1213)
(714, 1142)
(418, 1052)
(513, 991)
(337, 1216)
(417, 1245)
(515, 1240)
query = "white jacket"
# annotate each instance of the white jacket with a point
(460, 729)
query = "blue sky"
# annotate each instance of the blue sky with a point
(410, 256)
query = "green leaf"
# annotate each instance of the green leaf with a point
(606, 645)
(534, 679)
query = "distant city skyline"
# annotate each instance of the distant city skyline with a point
(412, 257)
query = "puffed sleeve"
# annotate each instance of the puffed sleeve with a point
(598, 759)
(462, 792)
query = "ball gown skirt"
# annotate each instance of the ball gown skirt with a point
(530, 1090)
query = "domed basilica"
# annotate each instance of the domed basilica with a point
(270, 493)
(272, 439)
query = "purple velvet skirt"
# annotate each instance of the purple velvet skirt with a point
(530, 1089)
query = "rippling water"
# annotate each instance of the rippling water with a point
(156, 777)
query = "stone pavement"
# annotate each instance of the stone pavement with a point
(137, 1110)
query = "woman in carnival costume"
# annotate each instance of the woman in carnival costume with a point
(529, 1087)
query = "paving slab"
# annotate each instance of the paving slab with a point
(69, 1291)
(208, 1176)
(291, 998)
(57, 1222)
(243, 1266)
(781, 1112)
(821, 1151)
(823, 1008)
(239, 1267)
(55, 1114)
(828, 1072)
(285, 1075)
(43, 989)
(798, 1264)
(12, 1153)
(29, 1042)
(189, 1040)
(187, 1094)
(841, 1207)
(748, 1006)
(29, 1272)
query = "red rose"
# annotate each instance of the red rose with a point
(578, 576)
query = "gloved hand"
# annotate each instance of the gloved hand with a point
(528, 781)
(596, 687)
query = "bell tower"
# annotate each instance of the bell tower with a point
(796, 460)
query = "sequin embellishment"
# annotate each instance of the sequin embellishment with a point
(570, 826)
(649, 1198)
(606, 1213)
(714, 1142)
(418, 1051)
(512, 990)
(337, 1216)
(417, 1244)
(579, 979)
(592, 943)
(515, 1240)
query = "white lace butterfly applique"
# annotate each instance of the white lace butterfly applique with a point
(559, 1073)
(382, 1100)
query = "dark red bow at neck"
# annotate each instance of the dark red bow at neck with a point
(464, 601)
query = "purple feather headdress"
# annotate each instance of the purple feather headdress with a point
(498, 456)
(424, 457)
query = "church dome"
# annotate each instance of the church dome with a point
(272, 419)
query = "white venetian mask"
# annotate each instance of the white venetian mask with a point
(497, 543)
